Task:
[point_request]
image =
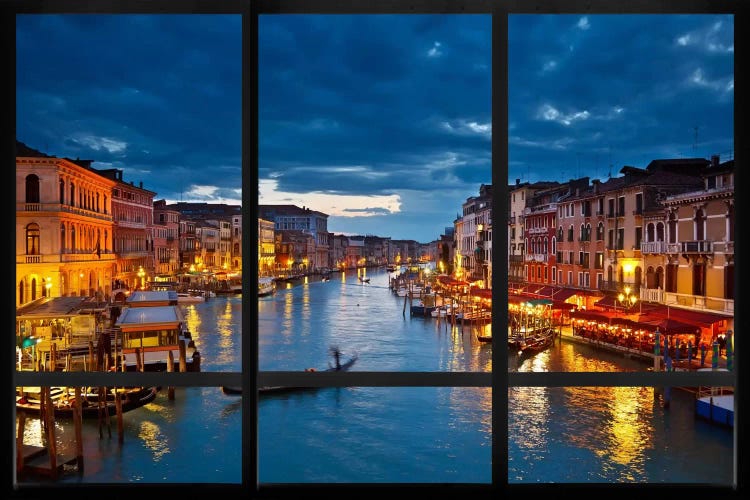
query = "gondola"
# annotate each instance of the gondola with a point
(90, 408)
(277, 389)
(537, 342)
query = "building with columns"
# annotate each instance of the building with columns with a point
(64, 228)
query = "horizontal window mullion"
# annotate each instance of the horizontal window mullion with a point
(174, 379)
(622, 379)
(374, 379)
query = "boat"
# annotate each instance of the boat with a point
(189, 298)
(266, 286)
(155, 325)
(484, 338)
(535, 342)
(337, 366)
(421, 309)
(63, 400)
(364, 280)
(715, 404)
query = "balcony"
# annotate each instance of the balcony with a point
(537, 257)
(60, 207)
(699, 246)
(653, 247)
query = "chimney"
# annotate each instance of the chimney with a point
(518, 181)
(595, 182)
(714, 160)
(140, 184)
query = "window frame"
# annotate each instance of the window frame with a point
(500, 10)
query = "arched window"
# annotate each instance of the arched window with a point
(72, 200)
(32, 239)
(21, 293)
(32, 189)
(62, 238)
(62, 191)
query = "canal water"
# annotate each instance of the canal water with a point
(398, 434)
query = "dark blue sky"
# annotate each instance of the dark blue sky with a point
(381, 121)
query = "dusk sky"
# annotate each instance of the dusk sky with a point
(381, 121)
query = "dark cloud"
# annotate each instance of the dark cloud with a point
(154, 95)
(390, 105)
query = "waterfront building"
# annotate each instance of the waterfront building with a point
(188, 254)
(133, 238)
(337, 251)
(64, 227)
(483, 250)
(207, 236)
(266, 248)
(228, 219)
(519, 194)
(355, 249)
(698, 255)
(294, 251)
(236, 264)
(166, 241)
(294, 218)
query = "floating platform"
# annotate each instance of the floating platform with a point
(717, 409)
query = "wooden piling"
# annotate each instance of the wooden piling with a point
(50, 422)
(78, 422)
(92, 364)
(183, 357)
(120, 427)
(138, 360)
(19, 441)
(170, 368)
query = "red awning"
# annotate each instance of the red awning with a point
(562, 294)
(481, 292)
(691, 317)
(667, 326)
(602, 316)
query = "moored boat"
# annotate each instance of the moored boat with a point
(189, 298)
(154, 329)
(28, 400)
(266, 286)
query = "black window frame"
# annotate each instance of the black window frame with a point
(499, 378)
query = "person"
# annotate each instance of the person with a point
(722, 345)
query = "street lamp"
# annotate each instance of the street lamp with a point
(47, 285)
(626, 299)
(141, 274)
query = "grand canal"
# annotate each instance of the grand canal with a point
(398, 434)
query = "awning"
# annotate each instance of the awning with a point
(667, 326)
(563, 294)
(689, 316)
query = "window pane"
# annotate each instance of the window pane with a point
(161, 436)
(617, 435)
(582, 116)
(375, 190)
(377, 435)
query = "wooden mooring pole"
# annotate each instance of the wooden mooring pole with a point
(170, 368)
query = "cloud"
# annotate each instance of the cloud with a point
(713, 38)
(583, 23)
(101, 143)
(548, 112)
(435, 50)
(467, 127)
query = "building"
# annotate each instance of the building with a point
(64, 228)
